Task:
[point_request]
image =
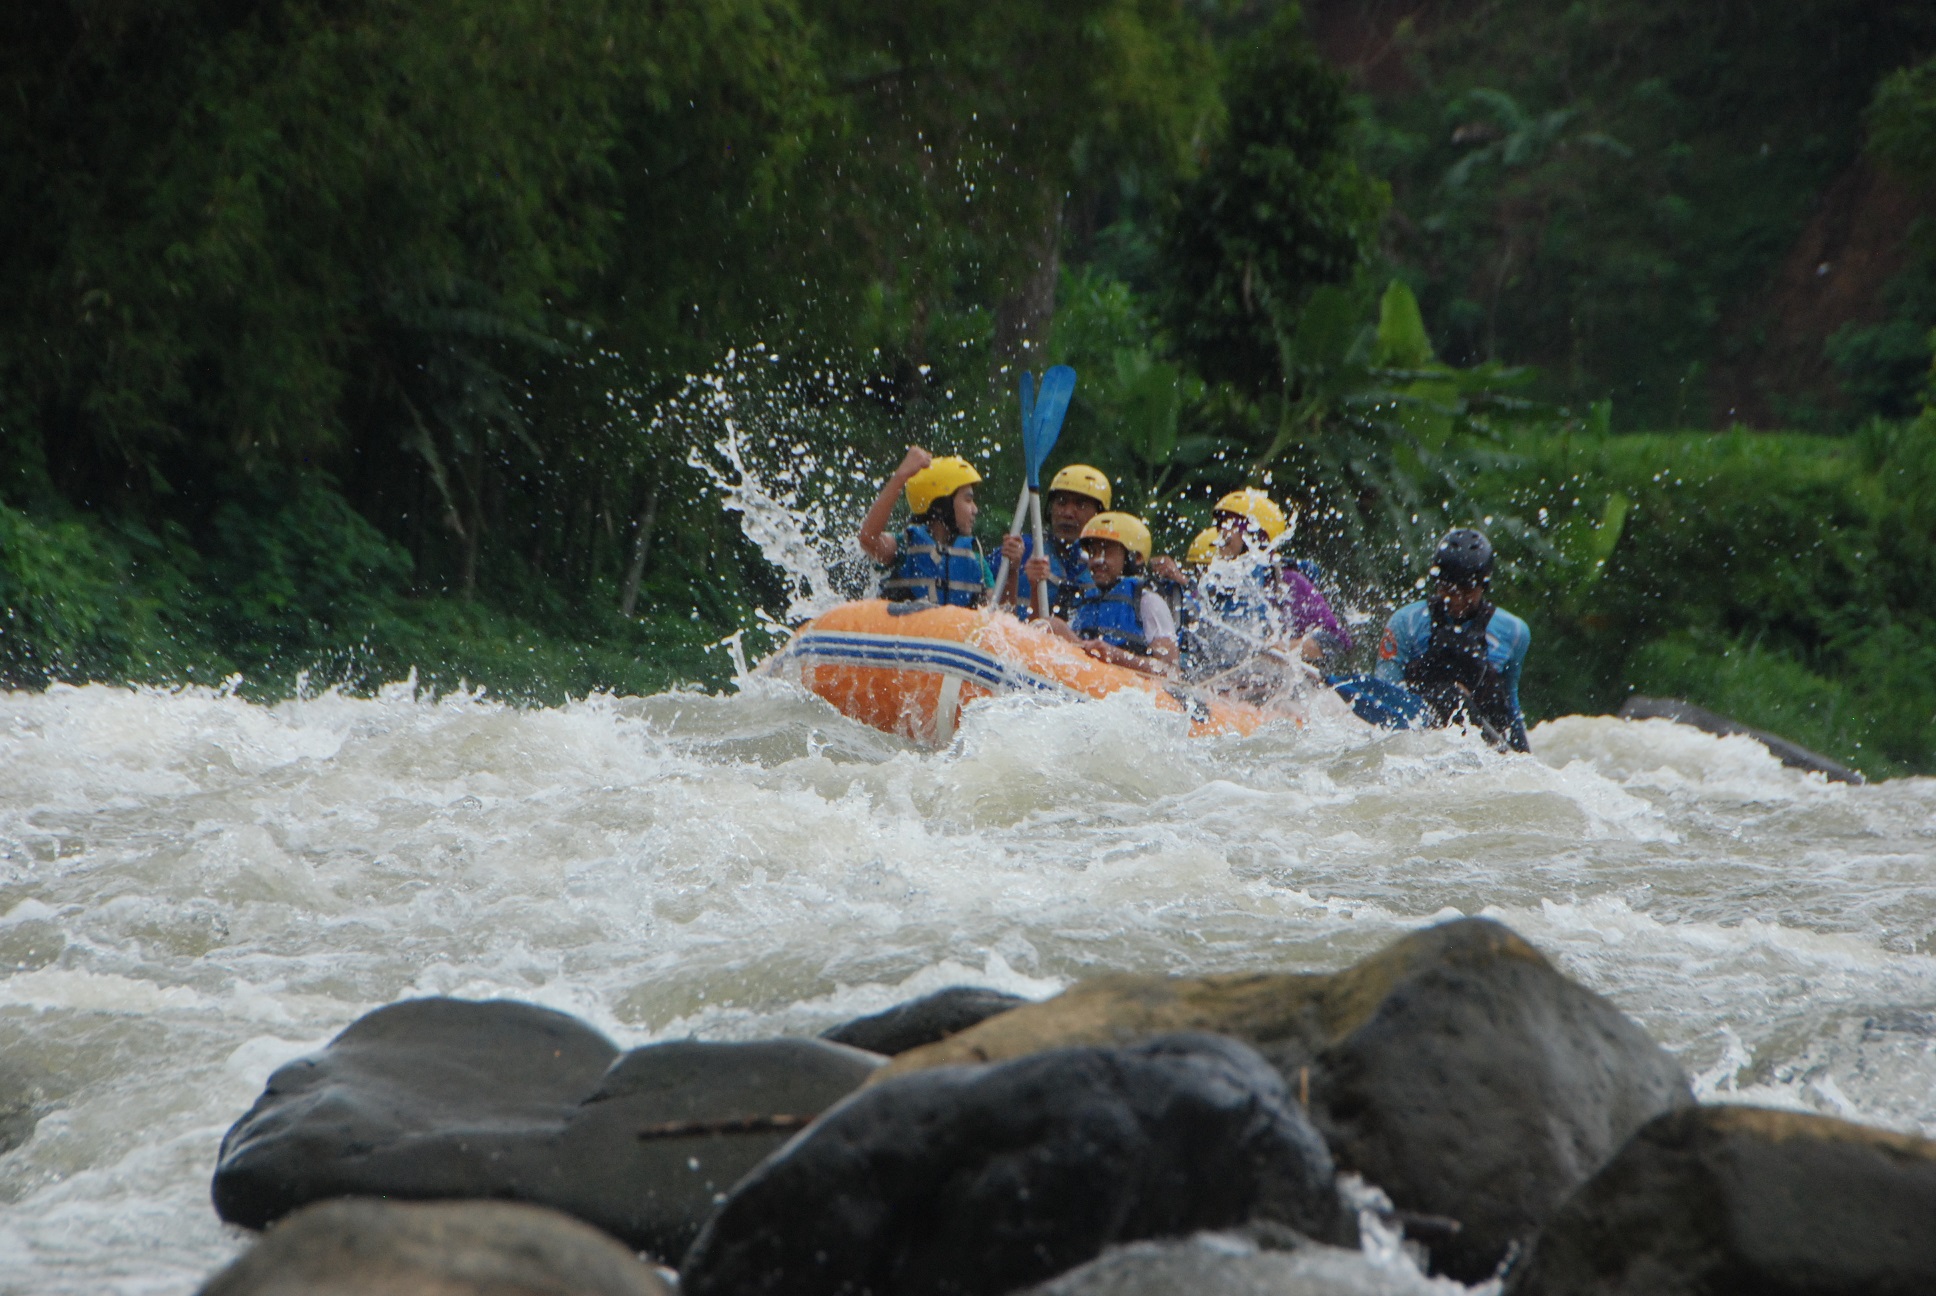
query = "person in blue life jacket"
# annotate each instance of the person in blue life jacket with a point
(1076, 494)
(937, 558)
(1120, 619)
(1455, 651)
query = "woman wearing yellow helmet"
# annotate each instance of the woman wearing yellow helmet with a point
(1248, 519)
(1121, 620)
(937, 559)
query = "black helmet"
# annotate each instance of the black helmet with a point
(1464, 557)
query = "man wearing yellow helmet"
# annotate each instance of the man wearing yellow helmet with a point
(1076, 494)
(1120, 619)
(937, 559)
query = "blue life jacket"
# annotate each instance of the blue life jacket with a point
(1229, 616)
(1188, 607)
(1069, 578)
(1114, 615)
(1239, 596)
(923, 571)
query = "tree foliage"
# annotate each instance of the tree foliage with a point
(1902, 121)
(1603, 189)
(1279, 209)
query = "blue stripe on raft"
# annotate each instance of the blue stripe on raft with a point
(942, 655)
(936, 654)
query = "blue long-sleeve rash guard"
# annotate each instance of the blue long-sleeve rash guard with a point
(1409, 633)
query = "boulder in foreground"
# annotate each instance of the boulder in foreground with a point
(359, 1247)
(923, 1021)
(427, 1098)
(971, 1180)
(1457, 1069)
(651, 1153)
(448, 1099)
(1715, 1201)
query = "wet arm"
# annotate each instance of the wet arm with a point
(1161, 659)
(875, 541)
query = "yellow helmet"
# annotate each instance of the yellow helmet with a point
(944, 476)
(1125, 530)
(1258, 507)
(1204, 548)
(1081, 479)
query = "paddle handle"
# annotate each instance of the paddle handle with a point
(1014, 529)
(1041, 587)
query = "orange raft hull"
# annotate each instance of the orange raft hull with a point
(911, 672)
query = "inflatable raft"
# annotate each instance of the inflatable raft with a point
(909, 669)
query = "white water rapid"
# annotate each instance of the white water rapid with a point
(195, 889)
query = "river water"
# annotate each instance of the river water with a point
(195, 888)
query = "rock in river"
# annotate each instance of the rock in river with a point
(358, 1247)
(441, 1098)
(426, 1098)
(1457, 1069)
(924, 1020)
(1713, 1201)
(710, 1113)
(985, 1179)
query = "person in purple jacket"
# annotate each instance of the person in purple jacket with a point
(1251, 602)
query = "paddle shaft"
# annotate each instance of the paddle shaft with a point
(1014, 529)
(1041, 587)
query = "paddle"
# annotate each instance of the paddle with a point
(1021, 504)
(1041, 425)
(1044, 426)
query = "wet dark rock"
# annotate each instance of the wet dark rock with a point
(984, 1179)
(924, 1020)
(1478, 1083)
(711, 1113)
(1715, 1201)
(421, 1099)
(442, 1098)
(360, 1247)
(1457, 1069)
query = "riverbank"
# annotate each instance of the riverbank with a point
(1786, 581)
(302, 593)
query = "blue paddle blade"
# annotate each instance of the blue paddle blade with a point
(1028, 405)
(1051, 406)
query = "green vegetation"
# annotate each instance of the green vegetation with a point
(1789, 581)
(301, 586)
(354, 338)
(1609, 190)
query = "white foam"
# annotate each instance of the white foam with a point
(196, 889)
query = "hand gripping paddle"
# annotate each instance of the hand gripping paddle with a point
(1041, 424)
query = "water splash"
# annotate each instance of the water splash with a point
(778, 441)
